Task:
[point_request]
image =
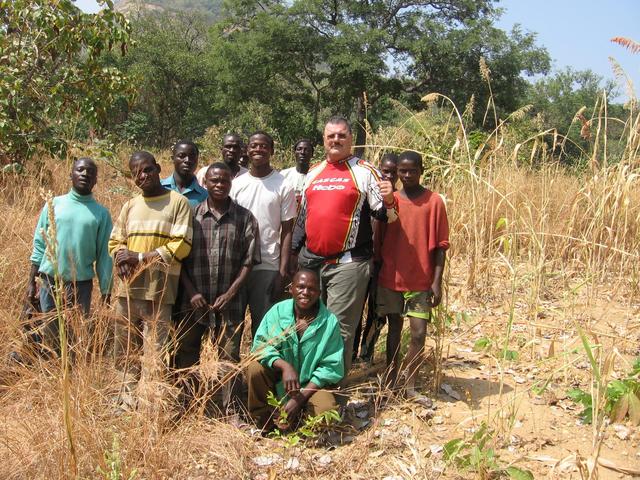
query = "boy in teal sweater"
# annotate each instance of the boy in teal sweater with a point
(82, 229)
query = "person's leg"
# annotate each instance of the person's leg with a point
(259, 291)
(320, 402)
(415, 354)
(228, 337)
(80, 334)
(156, 331)
(373, 324)
(47, 302)
(261, 381)
(390, 303)
(81, 295)
(394, 337)
(49, 329)
(127, 344)
(188, 338)
(346, 286)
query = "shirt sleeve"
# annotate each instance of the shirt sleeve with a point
(181, 233)
(268, 338)
(330, 369)
(104, 262)
(252, 236)
(439, 224)
(118, 237)
(39, 244)
(288, 206)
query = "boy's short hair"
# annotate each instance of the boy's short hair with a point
(188, 143)
(141, 155)
(266, 135)
(219, 166)
(412, 156)
(304, 140)
(389, 157)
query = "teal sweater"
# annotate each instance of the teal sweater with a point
(317, 356)
(83, 227)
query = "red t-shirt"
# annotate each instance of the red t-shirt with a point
(410, 242)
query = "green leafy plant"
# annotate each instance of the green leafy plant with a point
(310, 427)
(622, 398)
(482, 344)
(478, 455)
(113, 461)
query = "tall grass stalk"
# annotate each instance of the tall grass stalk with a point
(59, 296)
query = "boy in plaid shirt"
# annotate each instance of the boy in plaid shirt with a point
(225, 248)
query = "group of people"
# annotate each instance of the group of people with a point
(194, 250)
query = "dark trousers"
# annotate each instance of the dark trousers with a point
(73, 294)
(192, 328)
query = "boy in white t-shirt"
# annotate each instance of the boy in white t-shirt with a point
(265, 193)
(303, 151)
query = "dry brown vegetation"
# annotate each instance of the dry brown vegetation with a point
(539, 254)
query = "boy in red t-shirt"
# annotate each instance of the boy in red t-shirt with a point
(413, 258)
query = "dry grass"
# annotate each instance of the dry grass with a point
(521, 236)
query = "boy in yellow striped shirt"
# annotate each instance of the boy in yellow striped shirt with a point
(150, 238)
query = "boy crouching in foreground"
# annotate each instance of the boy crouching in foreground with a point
(413, 258)
(300, 352)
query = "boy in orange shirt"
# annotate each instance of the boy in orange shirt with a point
(413, 259)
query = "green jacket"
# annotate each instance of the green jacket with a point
(318, 356)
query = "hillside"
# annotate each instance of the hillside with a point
(210, 8)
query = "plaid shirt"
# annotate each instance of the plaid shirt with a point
(221, 247)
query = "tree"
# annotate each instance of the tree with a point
(352, 56)
(447, 60)
(175, 84)
(52, 79)
(559, 97)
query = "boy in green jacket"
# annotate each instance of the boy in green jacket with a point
(300, 353)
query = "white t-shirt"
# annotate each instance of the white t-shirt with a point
(296, 180)
(272, 201)
(203, 171)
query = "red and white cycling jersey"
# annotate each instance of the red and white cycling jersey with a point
(337, 204)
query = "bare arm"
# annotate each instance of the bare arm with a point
(286, 231)
(440, 255)
(286, 234)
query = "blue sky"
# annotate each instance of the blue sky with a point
(577, 33)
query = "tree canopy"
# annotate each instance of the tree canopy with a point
(286, 65)
(52, 77)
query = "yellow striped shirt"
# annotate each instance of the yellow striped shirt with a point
(145, 224)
